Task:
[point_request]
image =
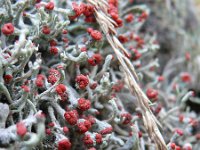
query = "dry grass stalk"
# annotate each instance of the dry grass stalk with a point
(107, 26)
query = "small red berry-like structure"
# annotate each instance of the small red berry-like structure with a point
(187, 146)
(172, 145)
(77, 11)
(87, 140)
(91, 119)
(187, 56)
(7, 29)
(51, 124)
(65, 40)
(129, 18)
(48, 131)
(52, 43)
(83, 49)
(8, 78)
(89, 30)
(179, 132)
(46, 30)
(185, 77)
(84, 104)
(143, 16)
(98, 138)
(84, 126)
(40, 81)
(64, 32)
(90, 19)
(139, 134)
(95, 59)
(71, 117)
(152, 94)
(158, 108)
(49, 6)
(25, 88)
(96, 35)
(113, 11)
(106, 130)
(118, 86)
(177, 148)
(123, 38)
(88, 10)
(60, 89)
(65, 129)
(93, 85)
(126, 117)
(41, 76)
(64, 144)
(82, 81)
(136, 54)
(161, 78)
(54, 75)
(21, 129)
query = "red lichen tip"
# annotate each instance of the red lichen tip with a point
(84, 104)
(161, 78)
(82, 81)
(152, 93)
(185, 77)
(8, 78)
(187, 146)
(60, 89)
(98, 138)
(71, 117)
(54, 50)
(96, 35)
(172, 145)
(106, 130)
(64, 144)
(126, 118)
(21, 129)
(52, 43)
(7, 29)
(49, 6)
(54, 75)
(39, 82)
(25, 88)
(95, 59)
(65, 129)
(46, 30)
(139, 134)
(179, 132)
(178, 148)
(84, 126)
(89, 30)
(187, 56)
(129, 18)
(87, 140)
(51, 124)
(48, 131)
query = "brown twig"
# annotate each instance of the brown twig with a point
(107, 26)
